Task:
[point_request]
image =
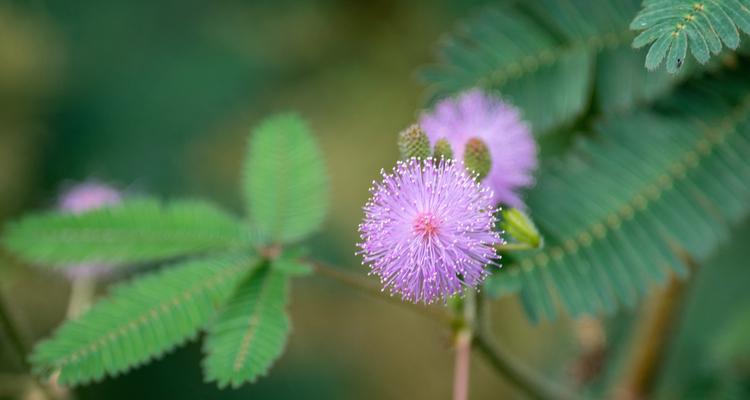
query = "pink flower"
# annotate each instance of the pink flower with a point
(81, 198)
(512, 148)
(428, 230)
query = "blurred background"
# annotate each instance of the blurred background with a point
(158, 97)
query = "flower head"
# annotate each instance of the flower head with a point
(88, 196)
(428, 230)
(476, 115)
(81, 198)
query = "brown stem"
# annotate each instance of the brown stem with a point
(527, 380)
(17, 343)
(650, 341)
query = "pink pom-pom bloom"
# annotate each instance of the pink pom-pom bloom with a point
(81, 198)
(88, 196)
(428, 230)
(512, 148)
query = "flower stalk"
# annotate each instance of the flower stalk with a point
(464, 326)
(19, 347)
(82, 291)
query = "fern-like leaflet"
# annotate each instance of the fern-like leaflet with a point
(626, 211)
(141, 320)
(250, 332)
(673, 26)
(137, 230)
(285, 182)
(547, 56)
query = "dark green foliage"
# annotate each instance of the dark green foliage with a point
(250, 332)
(136, 231)
(671, 26)
(546, 57)
(286, 190)
(285, 182)
(140, 320)
(620, 213)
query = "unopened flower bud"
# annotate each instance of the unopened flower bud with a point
(442, 149)
(520, 227)
(477, 157)
(413, 142)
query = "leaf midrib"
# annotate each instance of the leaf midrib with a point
(676, 172)
(532, 62)
(152, 313)
(252, 328)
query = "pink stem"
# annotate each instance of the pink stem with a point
(461, 371)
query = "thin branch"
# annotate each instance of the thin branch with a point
(462, 365)
(649, 343)
(14, 335)
(465, 319)
(19, 346)
(371, 288)
(535, 386)
(81, 295)
(523, 377)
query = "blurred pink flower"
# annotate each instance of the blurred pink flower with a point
(513, 150)
(81, 198)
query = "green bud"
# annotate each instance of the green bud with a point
(477, 157)
(520, 227)
(413, 142)
(442, 149)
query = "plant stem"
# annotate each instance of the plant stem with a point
(19, 345)
(535, 386)
(14, 336)
(372, 289)
(528, 381)
(462, 365)
(81, 292)
(649, 342)
(463, 334)
(524, 378)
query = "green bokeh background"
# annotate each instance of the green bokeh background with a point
(158, 97)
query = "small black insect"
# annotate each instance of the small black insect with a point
(679, 62)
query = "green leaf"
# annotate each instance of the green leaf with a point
(649, 187)
(545, 57)
(285, 182)
(679, 24)
(140, 320)
(250, 332)
(136, 231)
